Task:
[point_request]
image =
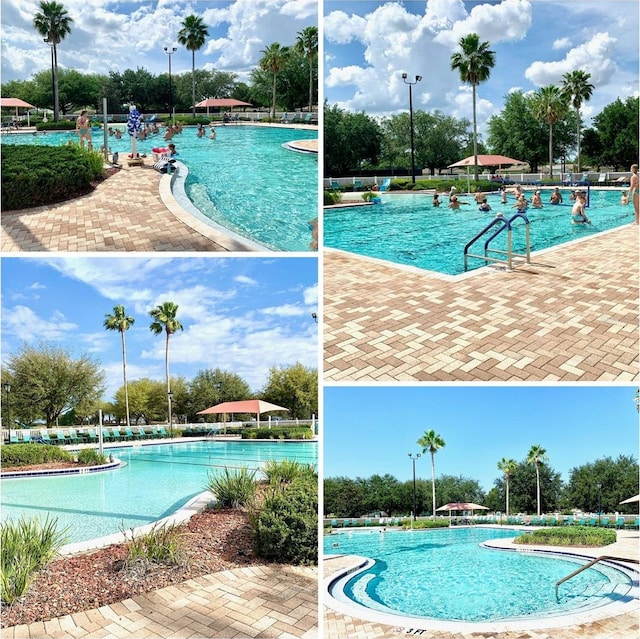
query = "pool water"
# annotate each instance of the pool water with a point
(157, 480)
(407, 229)
(445, 574)
(244, 179)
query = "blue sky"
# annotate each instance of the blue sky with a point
(368, 45)
(114, 35)
(372, 430)
(242, 315)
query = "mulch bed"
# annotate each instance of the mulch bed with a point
(213, 540)
(55, 465)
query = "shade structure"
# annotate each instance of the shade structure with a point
(16, 103)
(222, 102)
(631, 500)
(257, 406)
(486, 160)
(462, 505)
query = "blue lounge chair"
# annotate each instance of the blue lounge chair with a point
(593, 521)
(386, 185)
(73, 436)
(13, 438)
(130, 435)
(619, 523)
(44, 436)
(162, 431)
(604, 522)
(143, 433)
(357, 185)
(91, 435)
(334, 185)
(61, 438)
(26, 437)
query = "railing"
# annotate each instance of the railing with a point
(588, 565)
(503, 223)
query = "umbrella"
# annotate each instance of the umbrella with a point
(134, 125)
(18, 104)
(256, 406)
(631, 500)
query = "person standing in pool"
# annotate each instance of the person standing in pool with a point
(556, 196)
(633, 195)
(578, 214)
(84, 130)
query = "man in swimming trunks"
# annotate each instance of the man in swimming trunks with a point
(556, 196)
(633, 195)
(578, 214)
(83, 130)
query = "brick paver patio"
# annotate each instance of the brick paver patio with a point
(257, 601)
(572, 315)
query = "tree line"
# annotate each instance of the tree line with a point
(286, 76)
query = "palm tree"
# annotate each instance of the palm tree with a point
(274, 59)
(537, 455)
(474, 64)
(549, 105)
(54, 24)
(164, 319)
(192, 36)
(507, 466)
(431, 442)
(307, 46)
(121, 322)
(577, 89)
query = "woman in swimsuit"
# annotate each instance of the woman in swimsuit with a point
(83, 130)
(633, 195)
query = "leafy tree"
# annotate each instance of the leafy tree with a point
(121, 322)
(165, 320)
(192, 36)
(145, 397)
(295, 387)
(210, 387)
(507, 466)
(537, 455)
(474, 64)
(494, 500)
(451, 488)
(307, 46)
(344, 497)
(619, 479)
(523, 488)
(550, 105)
(54, 23)
(432, 442)
(577, 89)
(46, 381)
(273, 60)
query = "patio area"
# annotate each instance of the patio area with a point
(571, 315)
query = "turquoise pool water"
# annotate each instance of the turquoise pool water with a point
(157, 480)
(407, 229)
(445, 574)
(244, 179)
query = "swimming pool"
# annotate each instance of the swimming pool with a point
(157, 480)
(244, 180)
(445, 574)
(407, 229)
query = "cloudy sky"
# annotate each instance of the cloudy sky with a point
(369, 44)
(114, 36)
(242, 315)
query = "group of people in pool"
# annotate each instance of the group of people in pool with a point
(201, 132)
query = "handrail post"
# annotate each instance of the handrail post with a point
(528, 242)
(509, 254)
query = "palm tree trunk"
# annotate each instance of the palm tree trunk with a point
(193, 82)
(578, 127)
(507, 495)
(475, 137)
(550, 153)
(538, 487)
(310, 83)
(273, 102)
(433, 485)
(124, 375)
(56, 112)
(166, 369)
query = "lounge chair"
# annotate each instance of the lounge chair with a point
(602, 178)
(582, 522)
(297, 117)
(593, 521)
(357, 185)
(284, 118)
(635, 525)
(334, 523)
(346, 523)
(130, 435)
(568, 522)
(367, 522)
(73, 436)
(26, 437)
(143, 433)
(13, 438)
(114, 433)
(162, 431)
(61, 438)
(386, 185)
(91, 435)
(604, 522)
(619, 523)
(44, 436)
(308, 118)
(334, 185)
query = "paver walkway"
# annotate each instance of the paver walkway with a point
(571, 315)
(124, 213)
(257, 601)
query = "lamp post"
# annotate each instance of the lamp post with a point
(7, 390)
(636, 399)
(170, 51)
(413, 160)
(170, 396)
(599, 487)
(413, 459)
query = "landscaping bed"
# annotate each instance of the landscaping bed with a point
(580, 536)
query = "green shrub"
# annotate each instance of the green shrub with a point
(286, 530)
(50, 174)
(233, 487)
(285, 471)
(161, 545)
(62, 125)
(332, 197)
(91, 457)
(569, 536)
(278, 432)
(15, 455)
(25, 546)
(427, 523)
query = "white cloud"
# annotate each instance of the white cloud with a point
(243, 279)
(23, 323)
(341, 28)
(37, 286)
(562, 43)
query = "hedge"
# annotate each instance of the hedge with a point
(569, 536)
(427, 523)
(12, 455)
(38, 175)
(278, 432)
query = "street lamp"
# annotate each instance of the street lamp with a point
(170, 396)
(170, 51)
(413, 459)
(636, 399)
(7, 390)
(599, 487)
(413, 160)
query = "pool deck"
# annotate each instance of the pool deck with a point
(593, 625)
(571, 315)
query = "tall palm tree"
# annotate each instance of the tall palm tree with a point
(431, 442)
(507, 466)
(192, 36)
(474, 64)
(54, 23)
(549, 105)
(537, 455)
(164, 320)
(307, 46)
(274, 60)
(577, 89)
(121, 322)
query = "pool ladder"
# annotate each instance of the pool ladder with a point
(502, 223)
(591, 563)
